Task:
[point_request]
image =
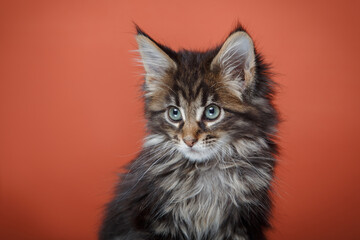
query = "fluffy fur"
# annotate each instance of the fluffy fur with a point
(216, 187)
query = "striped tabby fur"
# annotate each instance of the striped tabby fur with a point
(200, 178)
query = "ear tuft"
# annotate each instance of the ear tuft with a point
(139, 31)
(156, 61)
(236, 61)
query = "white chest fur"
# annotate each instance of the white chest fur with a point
(200, 198)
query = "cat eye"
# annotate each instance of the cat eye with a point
(174, 114)
(212, 112)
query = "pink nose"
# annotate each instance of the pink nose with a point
(190, 141)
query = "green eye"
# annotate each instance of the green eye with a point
(212, 112)
(174, 114)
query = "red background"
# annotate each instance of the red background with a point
(71, 112)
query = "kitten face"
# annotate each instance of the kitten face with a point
(197, 102)
(197, 117)
(196, 134)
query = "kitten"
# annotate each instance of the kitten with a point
(206, 167)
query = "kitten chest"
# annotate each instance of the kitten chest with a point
(200, 198)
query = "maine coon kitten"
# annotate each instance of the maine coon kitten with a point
(206, 166)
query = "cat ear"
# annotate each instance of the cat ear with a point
(156, 62)
(236, 62)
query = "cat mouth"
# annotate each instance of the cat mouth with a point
(196, 155)
(191, 149)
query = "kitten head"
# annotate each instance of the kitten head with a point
(207, 105)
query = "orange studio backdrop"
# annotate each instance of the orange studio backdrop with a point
(71, 112)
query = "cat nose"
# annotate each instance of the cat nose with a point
(190, 141)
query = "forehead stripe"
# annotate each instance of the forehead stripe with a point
(183, 93)
(177, 101)
(204, 97)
